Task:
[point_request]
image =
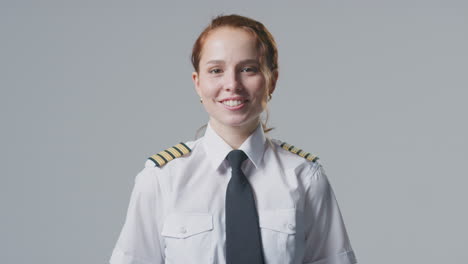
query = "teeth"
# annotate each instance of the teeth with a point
(232, 102)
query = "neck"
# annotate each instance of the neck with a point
(234, 135)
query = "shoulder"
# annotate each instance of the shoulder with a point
(302, 161)
(179, 151)
(292, 152)
(148, 179)
(290, 149)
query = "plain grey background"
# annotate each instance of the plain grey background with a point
(90, 89)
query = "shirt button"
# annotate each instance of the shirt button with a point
(183, 230)
(291, 226)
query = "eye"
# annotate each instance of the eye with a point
(249, 69)
(215, 70)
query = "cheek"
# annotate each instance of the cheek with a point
(260, 100)
(208, 88)
(256, 86)
(260, 93)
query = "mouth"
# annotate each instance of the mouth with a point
(234, 104)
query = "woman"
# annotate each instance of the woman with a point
(233, 195)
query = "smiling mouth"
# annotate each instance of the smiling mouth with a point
(233, 103)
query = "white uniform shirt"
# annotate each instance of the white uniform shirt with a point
(177, 212)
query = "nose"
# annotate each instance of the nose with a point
(231, 81)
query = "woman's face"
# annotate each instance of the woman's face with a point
(229, 79)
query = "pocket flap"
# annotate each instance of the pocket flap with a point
(183, 225)
(281, 220)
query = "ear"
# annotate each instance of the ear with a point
(274, 80)
(196, 83)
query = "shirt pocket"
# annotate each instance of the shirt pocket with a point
(188, 237)
(280, 231)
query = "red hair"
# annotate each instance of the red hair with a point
(265, 41)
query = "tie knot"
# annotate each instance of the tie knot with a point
(236, 157)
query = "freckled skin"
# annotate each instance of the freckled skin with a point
(231, 76)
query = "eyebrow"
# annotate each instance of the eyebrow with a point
(242, 61)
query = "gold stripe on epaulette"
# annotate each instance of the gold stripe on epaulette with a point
(169, 154)
(294, 150)
(312, 158)
(174, 154)
(182, 147)
(299, 152)
(166, 156)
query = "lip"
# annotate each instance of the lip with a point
(237, 107)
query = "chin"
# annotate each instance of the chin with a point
(237, 123)
(234, 124)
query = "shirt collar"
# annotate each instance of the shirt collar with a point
(217, 149)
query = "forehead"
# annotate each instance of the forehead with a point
(229, 43)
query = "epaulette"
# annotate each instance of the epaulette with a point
(169, 154)
(298, 151)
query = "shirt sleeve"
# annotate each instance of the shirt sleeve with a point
(139, 241)
(327, 241)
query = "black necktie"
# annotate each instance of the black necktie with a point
(243, 238)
